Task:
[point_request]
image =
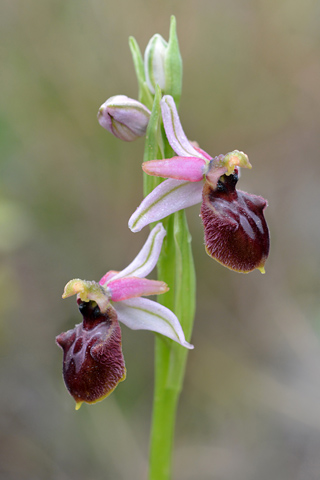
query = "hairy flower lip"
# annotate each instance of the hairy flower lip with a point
(236, 233)
(93, 363)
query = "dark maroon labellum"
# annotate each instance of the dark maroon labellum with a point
(236, 233)
(93, 363)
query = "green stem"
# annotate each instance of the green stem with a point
(175, 267)
(164, 414)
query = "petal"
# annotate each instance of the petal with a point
(130, 287)
(144, 314)
(181, 168)
(202, 152)
(107, 277)
(175, 134)
(93, 363)
(236, 233)
(147, 258)
(168, 197)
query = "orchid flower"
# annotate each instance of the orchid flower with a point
(236, 233)
(93, 363)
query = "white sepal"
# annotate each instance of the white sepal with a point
(168, 197)
(145, 314)
(148, 256)
(174, 131)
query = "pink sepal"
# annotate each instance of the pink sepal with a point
(107, 277)
(131, 287)
(180, 168)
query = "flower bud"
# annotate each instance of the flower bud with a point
(236, 233)
(124, 117)
(93, 363)
(163, 64)
(154, 62)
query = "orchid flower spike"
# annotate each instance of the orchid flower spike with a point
(236, 233)
(93, 363)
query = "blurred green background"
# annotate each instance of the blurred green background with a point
(250, 408)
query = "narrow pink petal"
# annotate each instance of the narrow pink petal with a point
(107, 277)
(168, 197)
(202, 152)
(145, 314)
(130, 287)
(174, 131)
(181, 168)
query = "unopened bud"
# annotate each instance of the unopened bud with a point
(163, 64)
(124, 117)
(154, 62)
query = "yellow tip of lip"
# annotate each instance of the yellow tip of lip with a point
(262, 270)
(78, 405)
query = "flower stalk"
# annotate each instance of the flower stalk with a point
(176, 268)
(175, 261)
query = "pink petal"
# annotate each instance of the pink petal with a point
(181, 168)
(130, 287)
(202, 152)
(108, 276)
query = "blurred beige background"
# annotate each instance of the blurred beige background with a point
(250, 408)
